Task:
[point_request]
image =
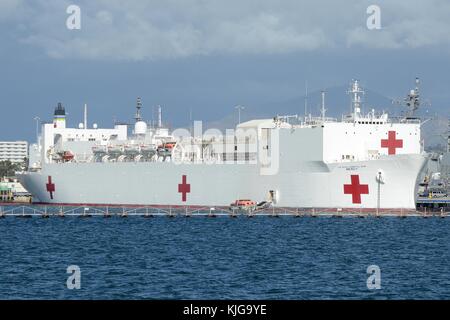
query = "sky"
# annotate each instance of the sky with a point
(200, 58)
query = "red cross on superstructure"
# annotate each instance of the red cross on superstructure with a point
(391, 143)
(356, 189)
(184, 188)
(50, 187)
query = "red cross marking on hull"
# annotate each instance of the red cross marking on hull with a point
(50, 187)
(392, 143)
(184, 188)
(356, 189)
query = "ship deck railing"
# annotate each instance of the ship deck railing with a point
(216, 158)
(46, 211)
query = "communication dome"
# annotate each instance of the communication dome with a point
(140, 127)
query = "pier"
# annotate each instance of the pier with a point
(434, 204)
(57, 211)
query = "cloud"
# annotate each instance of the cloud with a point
(8, 7)
(169, 29)
(407, 25)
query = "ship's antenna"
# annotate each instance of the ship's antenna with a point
(38, 120)
(323, 106)
(239, 108)
(85, 115)
(159, 117)
(412, 100)
(153, 116)
(190, 121)
(306, 98)
(355, 92)
(448, 137)
(138, 116)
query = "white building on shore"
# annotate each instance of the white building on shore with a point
(14, 151)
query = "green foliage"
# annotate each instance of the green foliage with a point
(7, 168)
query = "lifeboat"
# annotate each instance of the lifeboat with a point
(243, 204)
(115, 151)
(68, 156)
(99, 150)
(169, 145)
(148, 150)
(165, 149)
(132, 150)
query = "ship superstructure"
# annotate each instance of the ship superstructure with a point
(361, 161)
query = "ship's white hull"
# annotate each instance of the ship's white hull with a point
(310, 185)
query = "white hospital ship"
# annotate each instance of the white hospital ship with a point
(361, 161)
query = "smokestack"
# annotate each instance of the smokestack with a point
(59, 120)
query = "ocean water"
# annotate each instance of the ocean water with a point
(224, 258)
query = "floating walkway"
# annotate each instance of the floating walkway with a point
(433, 203)
(22, 211)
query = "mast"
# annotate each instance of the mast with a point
(355, 92)
(138, 116)
(85, 115)
(448, 137)
(412, 100)
(323, 105)
(159, 117)
(239, 108)
(306, 99)
(191, 125)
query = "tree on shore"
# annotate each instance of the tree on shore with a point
(8, 168)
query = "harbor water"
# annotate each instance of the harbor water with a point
(225, 258)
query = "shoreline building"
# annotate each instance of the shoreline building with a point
(14, 151)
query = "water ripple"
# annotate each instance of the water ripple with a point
(222, 258)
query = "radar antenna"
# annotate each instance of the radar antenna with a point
(412, 100)
(138, 116)
(355, 91)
